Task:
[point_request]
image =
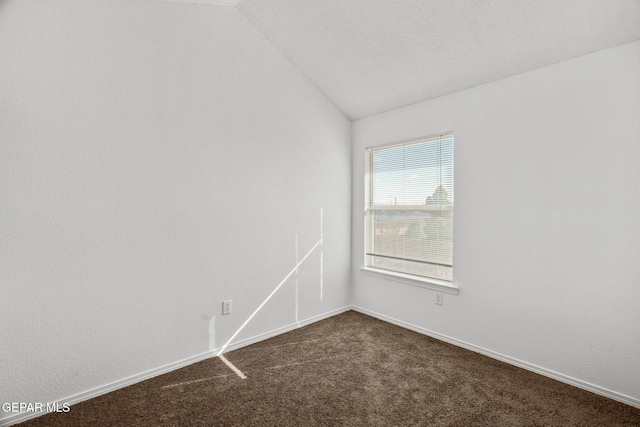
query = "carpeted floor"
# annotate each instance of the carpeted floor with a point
(348, 370)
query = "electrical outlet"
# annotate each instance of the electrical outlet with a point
(439, 297)
(226, 307)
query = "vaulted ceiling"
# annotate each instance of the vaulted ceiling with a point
(371, 56)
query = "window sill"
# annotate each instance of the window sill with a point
(433, 284)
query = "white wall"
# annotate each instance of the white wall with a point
(547, 236)
(155, 159)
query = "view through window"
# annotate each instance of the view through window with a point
(409, 207)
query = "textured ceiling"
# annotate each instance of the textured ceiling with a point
(213, 2)
(371, 56)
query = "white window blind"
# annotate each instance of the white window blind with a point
(409, 207)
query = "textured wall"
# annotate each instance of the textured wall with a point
(155, 159)
(547, 237)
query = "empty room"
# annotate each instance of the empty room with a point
(310, 213)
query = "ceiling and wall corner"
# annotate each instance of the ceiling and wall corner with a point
(374, 56)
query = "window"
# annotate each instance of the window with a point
(409, 208)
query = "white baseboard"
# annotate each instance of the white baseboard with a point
(507, 359)
(125, 382)
(282, 330)
(98, 391)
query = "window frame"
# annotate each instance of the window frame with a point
(397, 276)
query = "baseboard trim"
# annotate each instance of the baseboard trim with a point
(125, 382)
(507, 359)
(257, 338)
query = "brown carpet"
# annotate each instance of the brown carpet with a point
(348, 370)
